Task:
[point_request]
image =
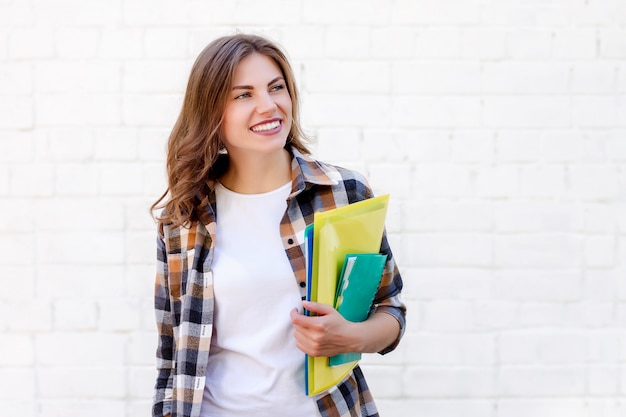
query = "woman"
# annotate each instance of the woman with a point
(231, 280)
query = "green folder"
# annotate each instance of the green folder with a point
(356, 289)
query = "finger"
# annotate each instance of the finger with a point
(320, 309)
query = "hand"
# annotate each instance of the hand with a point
(327, 333)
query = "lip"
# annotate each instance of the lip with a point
(271, 131)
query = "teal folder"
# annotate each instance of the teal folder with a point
(356, 289)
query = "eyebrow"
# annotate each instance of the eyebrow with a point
(249, 87)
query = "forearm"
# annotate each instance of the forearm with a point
(376, 333)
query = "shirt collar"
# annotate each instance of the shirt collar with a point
(306, 171)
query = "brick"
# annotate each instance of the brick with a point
(600, 218)
(498, 181)
(120, 179)
(72, 314)
(594, 110)
(18, 216)
(538, 251)
(391, 42)
(110, 215)
(24, 286)
(435, 407)
(31, 315)
(349, 12)
(77, 42)
(17, 384)
(69, 382)
(538, 217)
(593, 182)
(533, 347)
(433, 12)
(78, 349)
(575, 43)
(116, 144)
(77, 76)
(594, 78)
(154, 180)
(518, 146)
(599, 251)
(525, 78)
(537, 285)
(141, 382)
(393, 178)
(447, 316)
(384, 381)
(540, 381)
(540, 407)
(435, 77)
(329, 110)
(526, 111)
(31, 180)
(530, 44)
(166, 43)
(460, 250)
(437, 43)
(16, 14)
(152, 76)
(559, 146)
(16, 78)
(81, 407)
(17, 350)
(303, 42)
(544, 181)
(456, 349)
(346, 76)
(76, 179)
(96, 109)
(443, 111)
(599, 13)
(71, 247)
(141, 348)
(603, 380)
(347, 42)
(68, 144)
(616, 146)
(612, 42)
(457, 382)
(443, 180)
(121, 43)
(31, 43)
(483, 42)
(442, 283)
(117, 315)
(495, 315)
(151, 110)
(433, 217)
(591, 314)
(137, 215)
(16, 112)
(604, 346)
(72, 280)
(152, 144)
(473, 146)
(536, 314)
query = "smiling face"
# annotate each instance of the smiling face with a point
(257, 116)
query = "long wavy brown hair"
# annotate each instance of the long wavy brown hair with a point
(195, 149)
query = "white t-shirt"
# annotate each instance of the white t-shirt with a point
(254, 368)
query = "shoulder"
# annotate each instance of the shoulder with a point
(351, 182)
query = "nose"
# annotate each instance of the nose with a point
(265, 104)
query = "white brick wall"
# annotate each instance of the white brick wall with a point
(499, 127)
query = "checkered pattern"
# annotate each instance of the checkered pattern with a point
(184, 293)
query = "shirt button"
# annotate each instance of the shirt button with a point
(303, 284)
(290, 241)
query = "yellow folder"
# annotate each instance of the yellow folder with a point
(355, 228)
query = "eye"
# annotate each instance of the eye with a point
(242, 96)
(277, 87)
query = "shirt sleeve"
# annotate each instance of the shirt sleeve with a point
(165, 348)
(388, 298)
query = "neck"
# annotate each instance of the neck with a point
(255, 174)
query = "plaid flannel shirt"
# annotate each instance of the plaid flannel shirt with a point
(184, 293)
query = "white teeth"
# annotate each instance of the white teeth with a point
(266, 126)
